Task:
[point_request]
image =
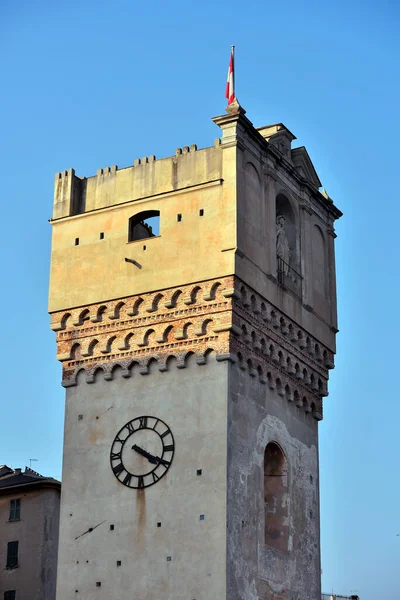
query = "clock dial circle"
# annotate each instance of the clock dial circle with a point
(142, 452)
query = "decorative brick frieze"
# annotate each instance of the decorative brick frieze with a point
(224, 316)
(251, 306)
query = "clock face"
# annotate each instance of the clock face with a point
(142, 452)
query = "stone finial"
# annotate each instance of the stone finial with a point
(235, 108)
(326, 195)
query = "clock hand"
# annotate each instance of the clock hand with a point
(152, 459)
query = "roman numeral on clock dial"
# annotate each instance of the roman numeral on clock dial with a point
(118, 469)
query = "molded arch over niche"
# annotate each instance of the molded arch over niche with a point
(253, 190)
(143, 225)
(320, 279)
(252, 175)
(284, 208)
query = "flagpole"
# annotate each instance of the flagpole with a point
(233, 73)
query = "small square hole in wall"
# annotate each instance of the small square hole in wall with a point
(111, 527)
(98, 583)
(102, 235)
(179, 217)
(169, 558)
(158, 524)
(76, 241)
(80, 417)
(201, 212)
(119, 563)
(144, 247)
(199, 472)
(201, 517)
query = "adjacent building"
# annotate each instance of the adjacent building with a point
(29, 523)
(194, 303)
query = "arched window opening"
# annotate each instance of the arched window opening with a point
(144, 225)
(276, 497)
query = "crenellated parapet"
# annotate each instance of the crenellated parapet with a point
(146, 177)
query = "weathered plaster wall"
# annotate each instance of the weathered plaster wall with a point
(193, 402)
(257, 416)
(37, 534)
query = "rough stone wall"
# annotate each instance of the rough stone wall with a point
(37, 534)
(51, 525)
(186, 556)
(259, 415)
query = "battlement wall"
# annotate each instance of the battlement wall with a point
(147, 177)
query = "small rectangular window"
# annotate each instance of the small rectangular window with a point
(76, 241)
(10, 595)
(12, 555)
(201, 212)
(102, 235)
(15, 509)
(179, 217)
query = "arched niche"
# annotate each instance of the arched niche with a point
(284, 209)
(276, 497)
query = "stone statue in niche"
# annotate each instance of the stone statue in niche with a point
(282, 245)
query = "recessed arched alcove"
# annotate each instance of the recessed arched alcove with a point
(275, 497)
(284, 209)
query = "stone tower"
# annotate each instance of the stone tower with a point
(195, 356)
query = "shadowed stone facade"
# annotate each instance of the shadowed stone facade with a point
(212, 329)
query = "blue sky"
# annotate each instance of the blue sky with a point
(90, 84)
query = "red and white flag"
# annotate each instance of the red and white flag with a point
(230, 83)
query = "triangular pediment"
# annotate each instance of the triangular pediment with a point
(303, 164)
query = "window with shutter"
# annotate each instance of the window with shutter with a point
(15, 509)
(12, 555)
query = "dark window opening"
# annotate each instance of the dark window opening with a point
(201, 212)
(144, 225)
(102, 235)
(111, 527)
(76, 241)
(12, 555)
(10, 595)
(179, 217)
(15, 510)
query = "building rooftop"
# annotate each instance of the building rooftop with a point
(11, 478)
